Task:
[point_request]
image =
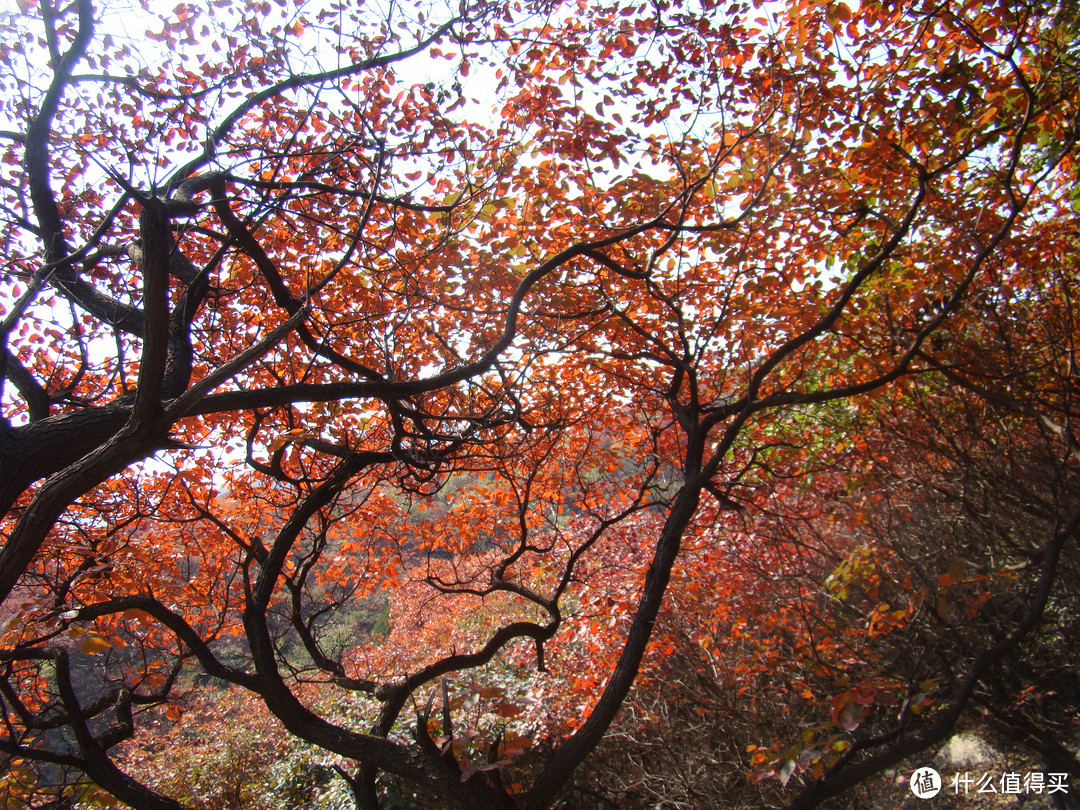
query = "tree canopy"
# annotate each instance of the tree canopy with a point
(423, 377)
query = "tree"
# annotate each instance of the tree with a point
(504, 309)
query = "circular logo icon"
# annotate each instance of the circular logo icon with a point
(926, 783)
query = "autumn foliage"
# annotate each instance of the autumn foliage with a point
(466, 393)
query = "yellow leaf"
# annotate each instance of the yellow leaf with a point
(94, 644)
